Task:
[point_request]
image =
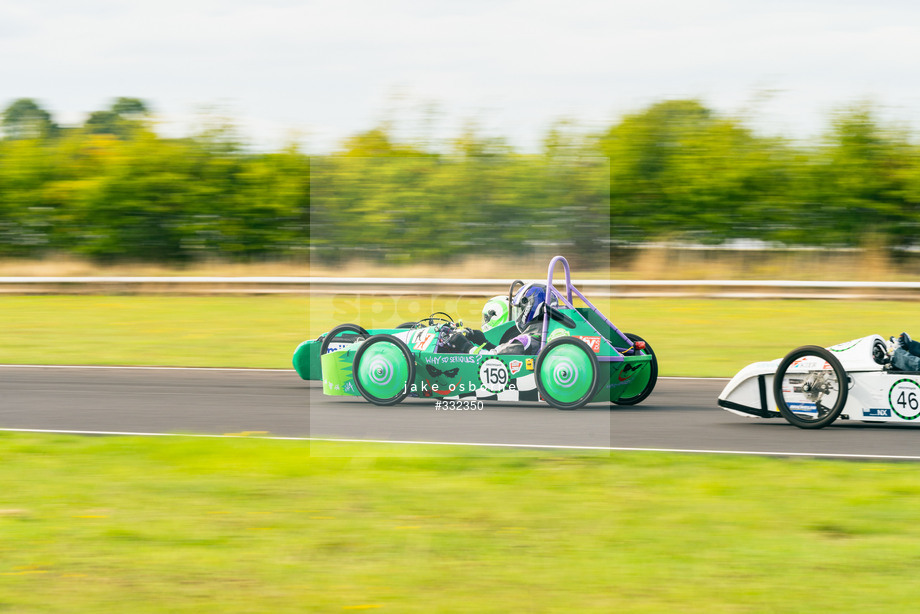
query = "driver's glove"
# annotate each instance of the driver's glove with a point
(458, 343)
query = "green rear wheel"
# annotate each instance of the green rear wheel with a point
(651, 375)
(357, 333)
(567, 371)
(384, 370)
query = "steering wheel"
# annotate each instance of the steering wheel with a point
(436, 317)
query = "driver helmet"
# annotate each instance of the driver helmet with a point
(529, 304)
(495, 312)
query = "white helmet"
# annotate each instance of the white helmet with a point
(495, 312)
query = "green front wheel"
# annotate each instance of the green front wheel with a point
(384, 370)
(567, 373)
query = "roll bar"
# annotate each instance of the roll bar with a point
(567, 299)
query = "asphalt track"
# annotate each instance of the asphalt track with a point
(680, 415)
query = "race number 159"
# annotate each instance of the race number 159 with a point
(494, 375)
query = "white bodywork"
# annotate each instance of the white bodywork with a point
(876, 393)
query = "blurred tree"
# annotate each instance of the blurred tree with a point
(675, 170)
(130, 108)
(642, 149)
(679, 171)
(122, 119)
(861, 182)
(377, 142)
(25, 119)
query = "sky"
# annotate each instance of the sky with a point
(317, 71)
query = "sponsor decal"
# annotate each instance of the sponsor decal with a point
(803, 408)
(876, 412)
(810, 363)
(559, 332)
(515, 366)
(494, 376)
(593, 342)
(904, 399)
(528, 364)
(422, 339)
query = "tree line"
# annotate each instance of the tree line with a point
(114, 189)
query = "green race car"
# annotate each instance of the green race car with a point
(565, 355)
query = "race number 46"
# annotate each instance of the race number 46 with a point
(904, 398)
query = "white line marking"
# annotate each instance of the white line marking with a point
(478, 444)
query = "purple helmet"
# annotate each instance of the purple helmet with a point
(529, 304)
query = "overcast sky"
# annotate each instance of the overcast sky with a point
(320, 70)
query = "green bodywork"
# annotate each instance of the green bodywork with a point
(460, 375)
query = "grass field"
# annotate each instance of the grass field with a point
(152, 330)
(240, 525)
(691, 337)
(175, 525)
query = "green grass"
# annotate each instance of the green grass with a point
(238, 525)
(186, 331)
(691, 337)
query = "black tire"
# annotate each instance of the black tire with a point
(544, 389)
(406, 384)
(335, 332)
(652, 378)
(825, 417)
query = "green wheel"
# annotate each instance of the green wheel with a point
(384, 370)
(652, 374)
(567, 372)
(357, 333)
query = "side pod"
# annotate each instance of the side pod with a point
(750, 392)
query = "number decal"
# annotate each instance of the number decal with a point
(907, 399)
(494, 375)
(904, 398)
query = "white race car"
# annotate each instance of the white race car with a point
(813, 386)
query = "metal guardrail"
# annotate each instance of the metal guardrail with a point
(472, 287)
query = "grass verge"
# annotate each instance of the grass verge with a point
(691, 337)
(187, 331)
(119, 524)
